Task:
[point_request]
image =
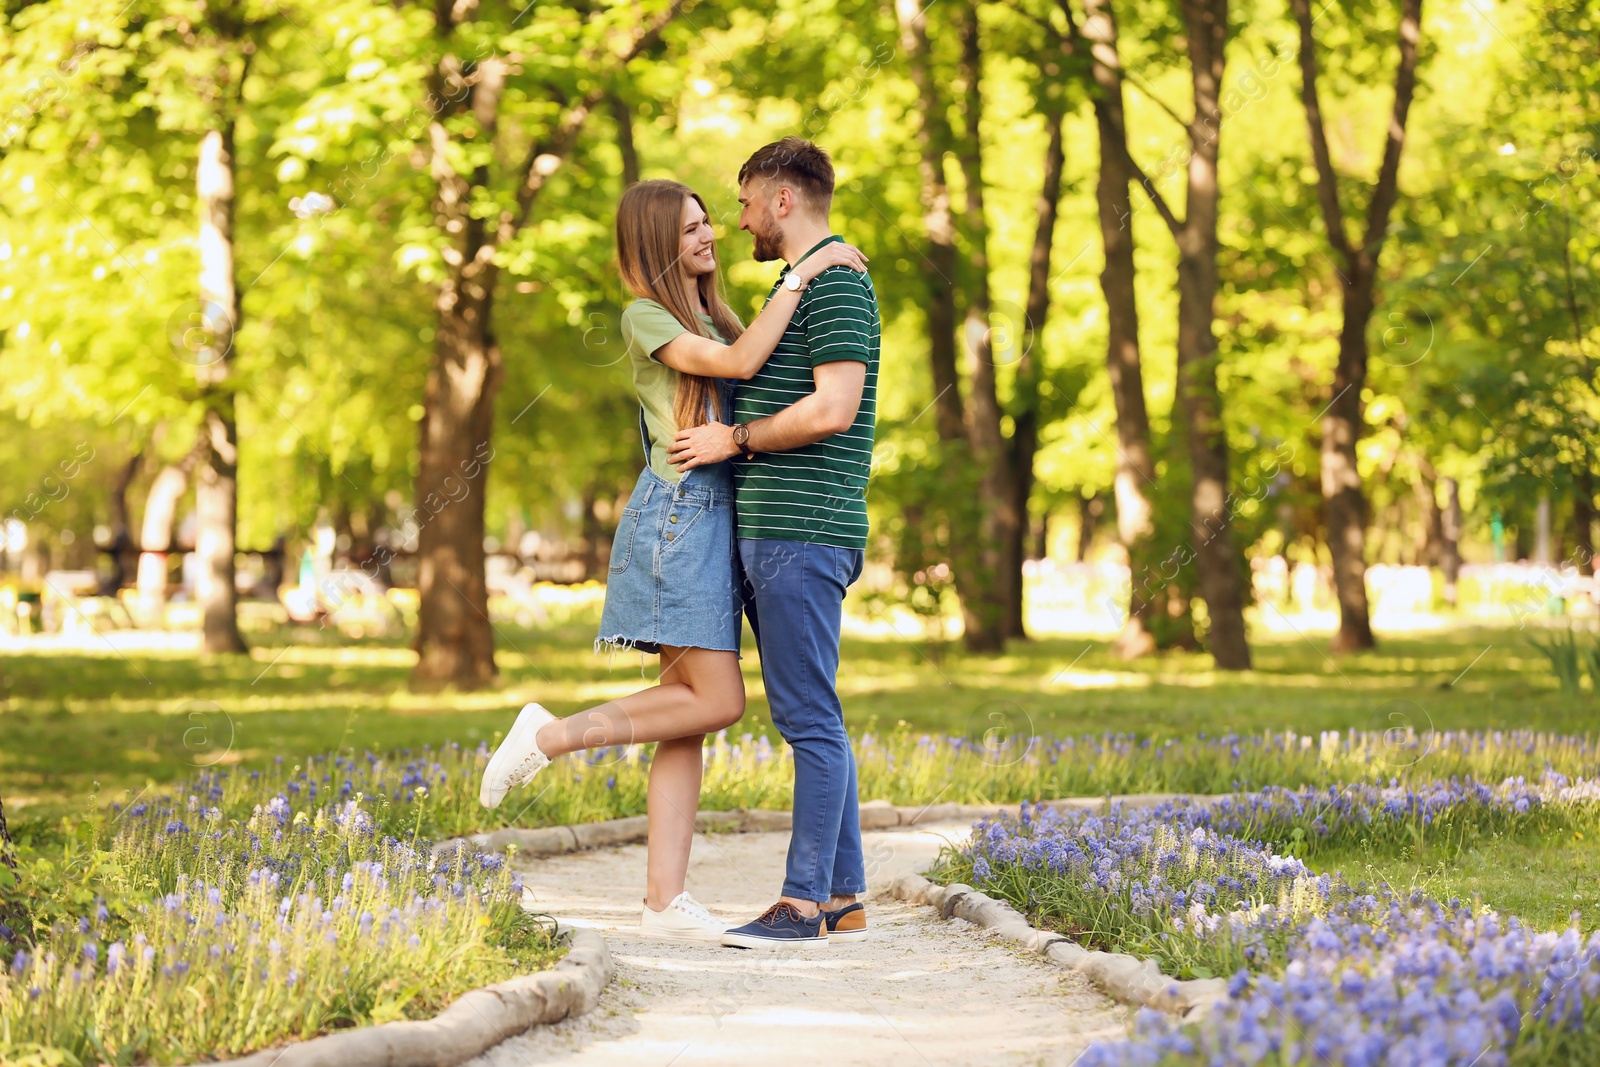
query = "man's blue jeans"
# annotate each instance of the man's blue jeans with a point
(794, 598)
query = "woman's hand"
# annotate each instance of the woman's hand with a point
(832, 254)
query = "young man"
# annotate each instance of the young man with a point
(802, 436)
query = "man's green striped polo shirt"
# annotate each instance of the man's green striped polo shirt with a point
(817, 493)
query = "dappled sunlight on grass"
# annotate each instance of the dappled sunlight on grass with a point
(1080, 679)
(1277, 680)
(348, 655)
(311, 690)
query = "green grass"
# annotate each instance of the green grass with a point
(1541, 881)
(74, 721)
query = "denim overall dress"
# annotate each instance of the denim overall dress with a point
(672, 579)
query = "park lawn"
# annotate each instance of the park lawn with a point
(85, 728)
(98, 721)
(1542, 882)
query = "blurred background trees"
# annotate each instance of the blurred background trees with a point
(273, 272)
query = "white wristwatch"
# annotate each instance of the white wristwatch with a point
(793, 282)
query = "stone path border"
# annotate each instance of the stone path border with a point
(1123, 977)
(473, 1022)
(875, 815)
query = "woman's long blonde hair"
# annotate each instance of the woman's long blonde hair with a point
(649, 237)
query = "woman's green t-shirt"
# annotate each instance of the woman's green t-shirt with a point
(646, 326)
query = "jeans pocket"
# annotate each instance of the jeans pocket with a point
(622, 542)
(682, 516)
(846, 565)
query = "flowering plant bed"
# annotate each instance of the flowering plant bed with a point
(229, 916)
(435, 792)
(252, 907)
(1323, 971)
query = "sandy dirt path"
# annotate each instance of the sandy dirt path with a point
(919, 991)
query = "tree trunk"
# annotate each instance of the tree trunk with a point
(122, 548)
(976, 568)
(155, 534)
(1221, 569)
(1343, 420)
(1222, 580)
(1583, 514)
(1583, 523)
(1089, 510)
(623, 117)
(455, 639)
(1024, 443)
(1432, 553)
(938, 265)
(1341, 478)
(592, 531)
(999, 524)
(217, 481)
(1543, 553)
(455, 642)
(1522, 542)
(1450, 539)
(1135, 477)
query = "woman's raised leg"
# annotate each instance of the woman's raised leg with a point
(700, 691)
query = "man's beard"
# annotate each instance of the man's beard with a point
(768, 241)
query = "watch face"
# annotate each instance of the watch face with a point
(791, 281)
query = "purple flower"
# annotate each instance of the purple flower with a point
(1345, 977)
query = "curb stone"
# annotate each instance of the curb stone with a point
(875, 815)
(474, 1021)
(1123, 977)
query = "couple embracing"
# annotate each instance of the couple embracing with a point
(758, 442)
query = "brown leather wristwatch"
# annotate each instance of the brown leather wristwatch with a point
(741, 438)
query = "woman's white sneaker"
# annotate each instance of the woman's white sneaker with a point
(517, 759)
(685, 919)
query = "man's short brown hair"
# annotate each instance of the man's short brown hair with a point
(796, 162)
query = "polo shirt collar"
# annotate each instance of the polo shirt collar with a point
(787, 267)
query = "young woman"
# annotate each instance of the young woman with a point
(672, 588)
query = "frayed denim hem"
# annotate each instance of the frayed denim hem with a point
(620, 643)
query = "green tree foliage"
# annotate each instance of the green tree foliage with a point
(1483, 343)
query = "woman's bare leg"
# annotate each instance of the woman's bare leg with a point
(673, 800)
(700, 692)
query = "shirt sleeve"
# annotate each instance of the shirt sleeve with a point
(840, 315)
(646, 326)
